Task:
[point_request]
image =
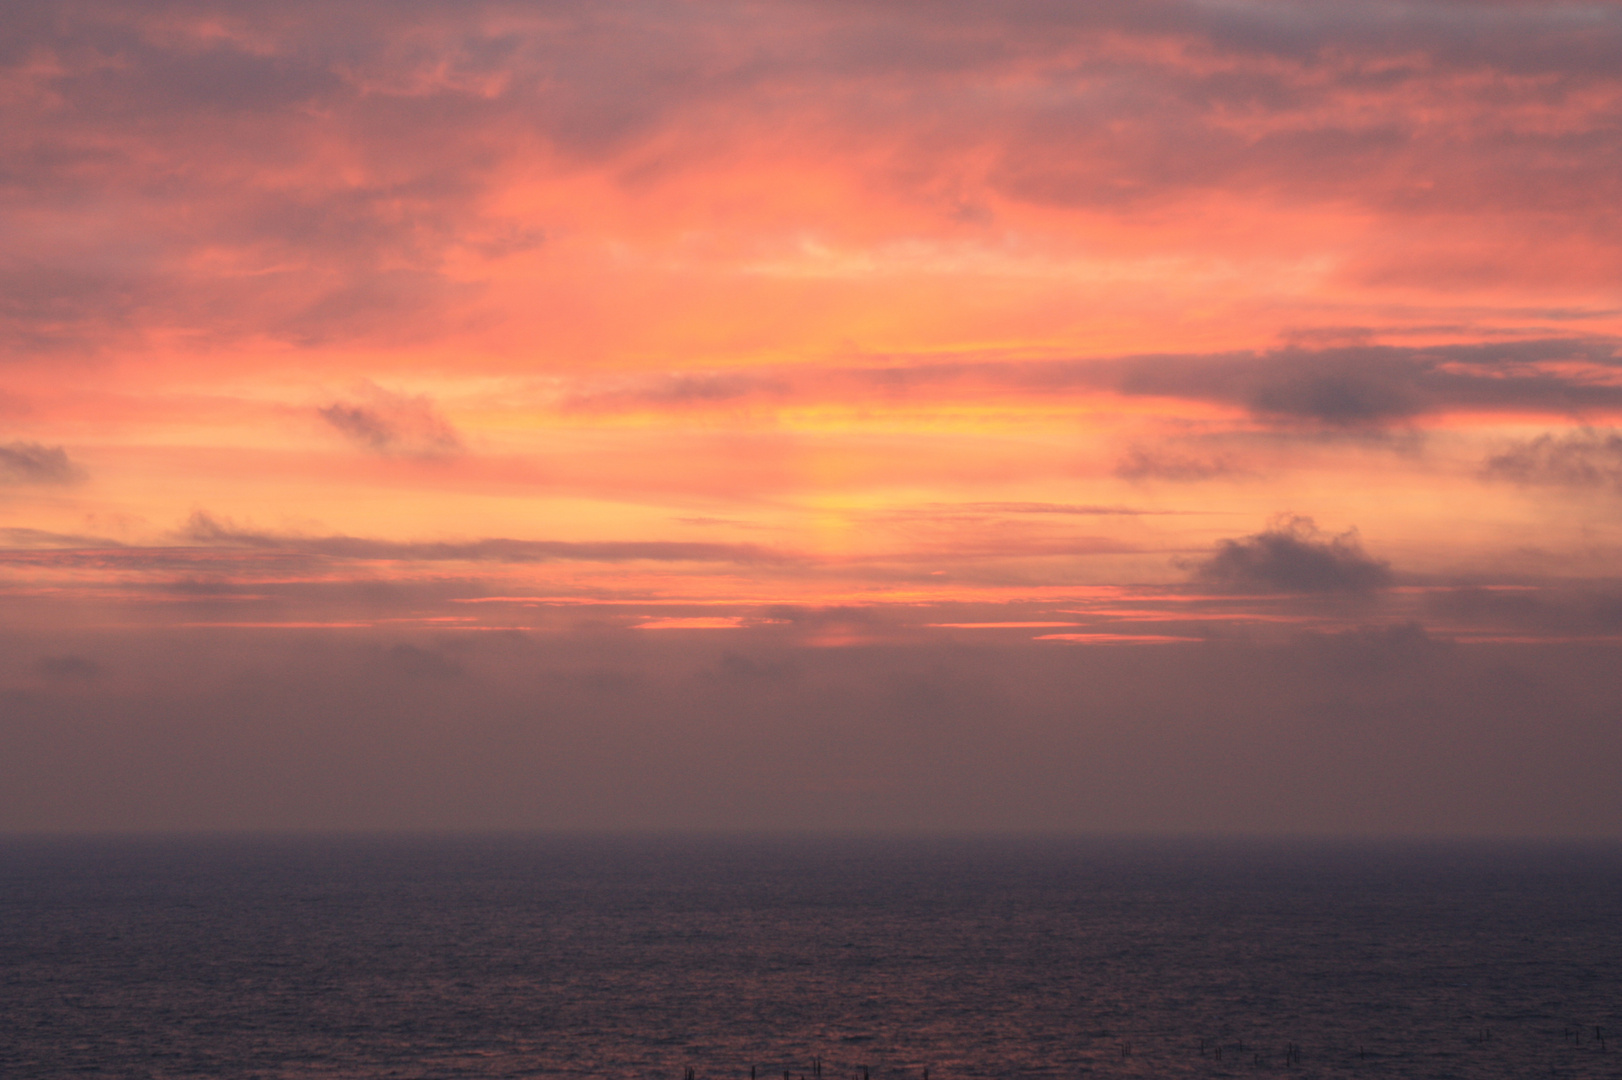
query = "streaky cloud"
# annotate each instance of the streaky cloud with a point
(14, 537)
(203, 529)
(1044, 508)
(1348, 388)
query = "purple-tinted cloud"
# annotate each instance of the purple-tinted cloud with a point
(394, 425)
(206, 126)
(32, 463)
(1293, 555)
(1589, 458)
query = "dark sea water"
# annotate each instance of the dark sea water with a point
(645, 957)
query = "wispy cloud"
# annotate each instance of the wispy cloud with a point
(1162, 463)
(394, 425)
(1589, 458)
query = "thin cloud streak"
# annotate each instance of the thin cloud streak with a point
(1367, 386)
(206, 530)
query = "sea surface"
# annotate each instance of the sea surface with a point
(646, 957)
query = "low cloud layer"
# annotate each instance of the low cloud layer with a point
(1383, 730)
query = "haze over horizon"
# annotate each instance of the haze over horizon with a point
(805, 415)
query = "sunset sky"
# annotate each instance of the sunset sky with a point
(1123, 416)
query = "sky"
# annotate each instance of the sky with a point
(1161, 416)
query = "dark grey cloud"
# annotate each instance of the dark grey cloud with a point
(33, 463)
(1372, 386)
(1589, 458)
(394, 425)
(1293, 555)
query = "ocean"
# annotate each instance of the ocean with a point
(644, 957)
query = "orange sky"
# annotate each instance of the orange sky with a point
(817, 324)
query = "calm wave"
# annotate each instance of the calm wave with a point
(647, 957)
